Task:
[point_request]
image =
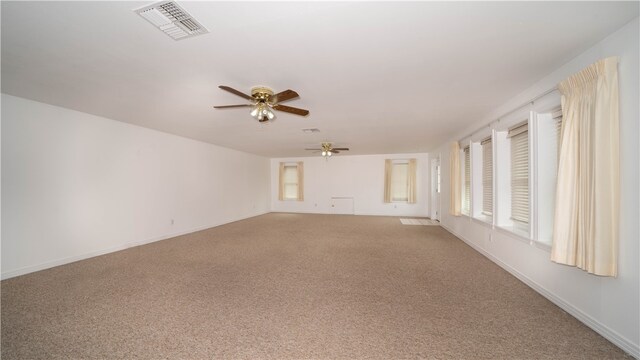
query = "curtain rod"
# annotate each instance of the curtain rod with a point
(555, 88)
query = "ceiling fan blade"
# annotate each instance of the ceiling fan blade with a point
(234, 91)
(231, 106)
(285, 95)
(314, 149)
(342, 149)
(335, 151)
(292, 110)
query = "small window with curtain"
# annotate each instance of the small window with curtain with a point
(487, 176)
(519, 137)
(291, 177)
(400, 181)
(466, 193)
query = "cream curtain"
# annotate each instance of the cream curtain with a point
(281, 182)
(585, 232)
(387, 180)
(300, 181)
(411, 181)
(454, 179)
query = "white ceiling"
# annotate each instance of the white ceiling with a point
(377, 77)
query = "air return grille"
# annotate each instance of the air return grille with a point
(173, 20)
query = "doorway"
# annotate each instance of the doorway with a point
(435, 188)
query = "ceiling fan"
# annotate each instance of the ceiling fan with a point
(264, 101)
(327, 150)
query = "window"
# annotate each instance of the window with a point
(291, 182)
(291, 178)
(520, 174)
(547, 149)
(487, 177)
(466, 197)
(438, 179)
(399, 182)
(557, 118)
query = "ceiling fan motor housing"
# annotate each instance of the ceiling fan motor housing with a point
(262, 93)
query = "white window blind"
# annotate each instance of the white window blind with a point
(399, 182)
(487, 177)
(291, 182)
(520, 173)
(557, 117)
(466, 200)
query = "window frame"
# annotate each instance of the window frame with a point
(467, 194)
(487, 171)
(519, 136)
(547, 152)
(294, 166)
(502, 218)
(538, 165)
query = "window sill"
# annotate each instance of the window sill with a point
(518, 234)
(543, 245)
(484, 220)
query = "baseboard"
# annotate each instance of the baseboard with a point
(53, 263)
(357, 214)
(609, 334)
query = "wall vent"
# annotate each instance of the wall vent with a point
(173, 20)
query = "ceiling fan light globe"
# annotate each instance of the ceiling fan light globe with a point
(324, 153)
(270, 114)
(328, 153)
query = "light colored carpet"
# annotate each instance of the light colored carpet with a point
(283, 286)
(419, 222)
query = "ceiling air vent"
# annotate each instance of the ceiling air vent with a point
(173, 20)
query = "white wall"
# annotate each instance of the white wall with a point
(357, 176)
(611, 306)
(76, 185)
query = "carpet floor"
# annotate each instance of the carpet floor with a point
(284, 286)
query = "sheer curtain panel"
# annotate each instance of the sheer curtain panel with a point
(585, 232)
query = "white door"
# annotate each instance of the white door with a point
(435, 189)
